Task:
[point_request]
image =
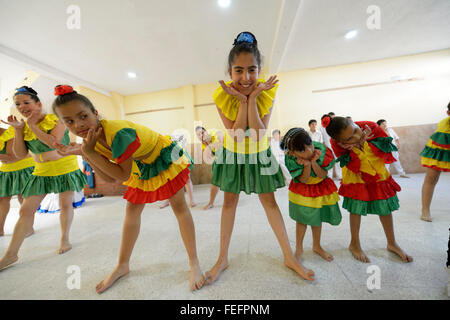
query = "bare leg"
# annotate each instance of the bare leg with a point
(190, 192)
(226, 229)
(355, 245)
(22, 228)
(130, 233)
(65, 218)
(212, 196)
(187, 231)
(276, 222)
(317, 248)
(20, 199)
(300, 230)
(388, 226)
(4, 209)
(430, 181)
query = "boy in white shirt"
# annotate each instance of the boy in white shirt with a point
(395, 140)
(315, 134)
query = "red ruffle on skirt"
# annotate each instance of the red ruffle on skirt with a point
(135, 195)
(369, 192)
(323, 188)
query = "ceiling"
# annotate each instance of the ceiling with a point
(173, 43)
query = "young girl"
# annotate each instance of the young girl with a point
(14, 172)
(313, 197)
(151, 165)
(245, 163)
(52, 172)
(436, 159)
(211, 142)
(362, 149)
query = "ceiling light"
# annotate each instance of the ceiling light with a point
(351, 34)
(224, 3)
(132, 75)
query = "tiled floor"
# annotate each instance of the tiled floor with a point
(159, 268)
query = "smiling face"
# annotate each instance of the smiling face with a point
(244, 72)
(26, 105)
(78, 117)
(306, 154)
(350, 135)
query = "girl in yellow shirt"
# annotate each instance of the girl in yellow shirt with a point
(245, 162)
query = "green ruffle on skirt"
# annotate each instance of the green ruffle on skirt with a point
(441, 137)
(251, 173)
(436, 154)
(315, 216)
(11, 183)
(379, 207)
(38, 185)
(167, 156)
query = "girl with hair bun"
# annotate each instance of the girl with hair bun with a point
(313, 197)
(52, 172)
(151, 165)
(245, 162)
(362, 149)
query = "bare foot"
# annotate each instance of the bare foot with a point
(118, 272)
(319, 250)
(197, 278)
(208, 206)
(297, 267)
(213, 274)
(7, 261)
(426, 217)
(64, 247)
(192, 204)
(397, 250)
(358, 254)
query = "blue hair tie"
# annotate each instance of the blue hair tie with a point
(245, 37)
(23, 89)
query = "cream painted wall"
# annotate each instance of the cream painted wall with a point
(103, 103)
(401, 103)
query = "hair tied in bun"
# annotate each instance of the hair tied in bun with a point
(63, 89)
(326, 121)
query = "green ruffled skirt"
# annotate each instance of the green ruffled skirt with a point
(315, 216)
(12, 182)
(378, 207)
(39, 185)
(251, 173)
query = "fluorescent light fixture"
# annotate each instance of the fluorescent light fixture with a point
(351, 34)
(224, 3)
(131, 75)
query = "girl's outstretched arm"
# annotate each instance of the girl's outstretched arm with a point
(19, 149)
